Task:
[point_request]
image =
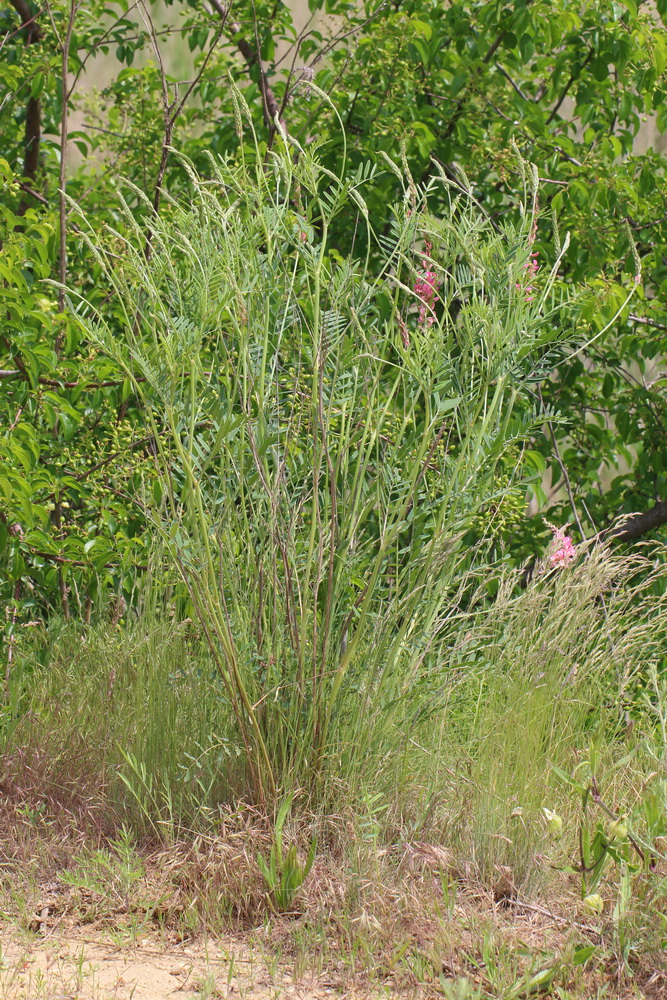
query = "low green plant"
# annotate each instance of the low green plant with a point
(631, 841)
(283, 872)
(460, 989)
(152, 794)
(109, 873)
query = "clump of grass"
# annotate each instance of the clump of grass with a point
(326, 432)
(530, 683)
(466, 762)
(120, 724)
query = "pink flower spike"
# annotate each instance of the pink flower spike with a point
(564, 550)
(426, 286)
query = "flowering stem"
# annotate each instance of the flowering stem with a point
(564, 473)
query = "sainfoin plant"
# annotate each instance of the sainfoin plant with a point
(322, 451)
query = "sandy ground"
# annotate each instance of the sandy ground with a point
(79, 966)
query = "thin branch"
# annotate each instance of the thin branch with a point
(495, 45)
(342, 35)
(646, 321)
(98, 128)
(307, 71)
(550, 146)
(564, 472)
(294, 46)
(93, 49)
(33, 112)
(37, 195)
(11, 637)
(645, 225)
(19, 6)
(566, 89)
(517, 88)
(252, 58)
(171, 111)
(64, 127)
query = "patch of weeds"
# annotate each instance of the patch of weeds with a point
(207, 988)
(460, 989)
(109, 875)
(283, 872)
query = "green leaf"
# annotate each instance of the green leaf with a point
(422, 27)
(567, 778)
(582, 953)
(37, 85)
(659, 54)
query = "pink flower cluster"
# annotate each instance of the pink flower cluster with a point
(426, 287)
(531, 268)
(564, 550)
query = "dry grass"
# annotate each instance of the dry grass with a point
(404, 919)
(436, 870)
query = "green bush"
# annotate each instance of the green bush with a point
(328, 437)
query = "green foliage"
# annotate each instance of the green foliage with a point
(469, 760)
(109, 874)
(633, 840)
(324, 446)
(283, 873)
(450, 91)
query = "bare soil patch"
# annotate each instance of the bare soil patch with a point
(76, 964)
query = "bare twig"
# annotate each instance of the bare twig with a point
(551, 146)
(11, 637)
(37, 195)
(170, 110)
(646, 225)
(15, 421)
(532, 908)
(93, 49)
(513, 83)
(647, 321)
(62, 585)
(252, 58)
(460, 104)
(564, 472)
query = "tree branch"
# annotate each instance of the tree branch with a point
(64, 128)
(564, 472)
(550, 146)
(646, 321)
(252, 58)
(33, 113)
(170, 110)
(566, 89)
(640, 524)
(493, 48)
(514, 84)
